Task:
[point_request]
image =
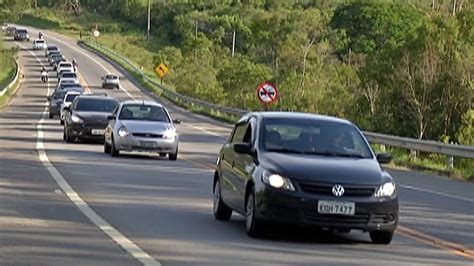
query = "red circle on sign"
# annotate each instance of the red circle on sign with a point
(267, 93)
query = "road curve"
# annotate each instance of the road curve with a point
(165, 208)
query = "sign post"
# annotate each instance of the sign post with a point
(267, 94)
(161, 71)
(96, 34)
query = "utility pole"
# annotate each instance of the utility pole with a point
(196, 29)
(233, 43)
(149, 21)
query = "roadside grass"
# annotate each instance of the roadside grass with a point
(129, 41)
(7, 70)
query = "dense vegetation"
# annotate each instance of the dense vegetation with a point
(399, 67)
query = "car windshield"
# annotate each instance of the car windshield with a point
(111, 77)
(313, 136)
(65, 65)
(69, 75)
(69, 85)
(59, 95)
(52, 48)
(144, 112)
(70, 97)
(39, 41)
(96, 105)
(21, 31)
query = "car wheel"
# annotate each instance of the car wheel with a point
(221, 211)
(114, 151)
(67, 136)
(381, 237)
(51, 115)
(61, 122)
(253, 225)
(118, 87)
(107, 147)
(173, 156)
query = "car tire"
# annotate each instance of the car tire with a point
(51, 115)
(117, 87)
(113, 150)
(253, 225)
(173, 156)
(381, 237)
(221, 211)
(107, 147)
(67, 136)
(61, 122)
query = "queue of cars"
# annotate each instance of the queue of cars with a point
(275, 167)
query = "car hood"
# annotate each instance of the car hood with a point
(146, 126)
(93, 117)
(323, 169)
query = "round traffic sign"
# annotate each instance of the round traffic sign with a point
(96, 33)
(267, 93)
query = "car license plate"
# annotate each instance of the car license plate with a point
(147, 144)
(336, 207)
(97, 131)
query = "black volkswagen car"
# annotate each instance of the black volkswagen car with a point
(304, 169)
(86, 117)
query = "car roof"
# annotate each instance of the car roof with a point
(138, 102)
(52, 46)
(95, 96)
(297, 115)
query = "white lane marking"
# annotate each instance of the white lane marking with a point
(97, 220)
(437, 193)
(94, 60)
(205, 131)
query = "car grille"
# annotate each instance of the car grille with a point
(349, 190)
(313, 216)
(147, 135)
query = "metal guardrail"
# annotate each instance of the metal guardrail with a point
(400, 142)
(13, 82)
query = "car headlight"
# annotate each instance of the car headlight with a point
(386, 190)
(76, 119)
(169, 134)
(277, 181)
(122, 132)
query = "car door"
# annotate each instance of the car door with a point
(244, 165)
(228, 157)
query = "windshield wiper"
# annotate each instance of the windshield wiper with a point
(285, 151)
(335, 154)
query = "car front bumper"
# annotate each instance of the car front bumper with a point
(85, 130)
(145, 144)
(302, 208)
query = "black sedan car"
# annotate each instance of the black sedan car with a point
(86, 117)
(304, 169)
(57, 97)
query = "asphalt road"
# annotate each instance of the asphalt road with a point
(154, 210)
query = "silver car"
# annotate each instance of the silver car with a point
(141, 126)
(110, 81)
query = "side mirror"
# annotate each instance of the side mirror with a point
(177, 121)
(110, 117)
(384, 158)
(102, 78)
(66, 108)
(49, 98)
(243, 148)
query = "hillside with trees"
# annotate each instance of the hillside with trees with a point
(399, 67)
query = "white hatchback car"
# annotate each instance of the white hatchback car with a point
(39, 44)
(65, 66)
(68, 98)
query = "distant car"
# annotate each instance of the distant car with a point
(39, 44)
(5, 26)
(51, 48)
(141, 126)
(65, 67)
(56, 100)
(21, 35)
(304, 169)
(68, 99)
(51, 55)
(68, 76)
(110, 81)
(86, 117)
(65, 84)
(56, 59)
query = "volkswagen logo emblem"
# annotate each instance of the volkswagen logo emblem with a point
(338, 190)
